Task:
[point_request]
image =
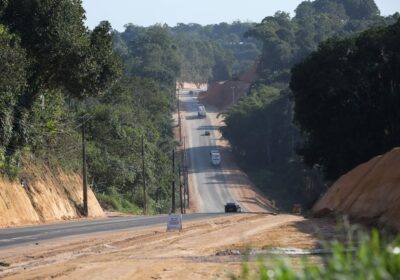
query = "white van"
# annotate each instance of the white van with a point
(215, 157)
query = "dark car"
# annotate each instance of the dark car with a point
(206, 133)
(231, 207)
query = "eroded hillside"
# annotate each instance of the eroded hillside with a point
(43, 195)
(369, 192)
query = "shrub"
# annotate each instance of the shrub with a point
(373, 258)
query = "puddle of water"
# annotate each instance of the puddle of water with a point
(291, 252)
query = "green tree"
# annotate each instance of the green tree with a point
(60, 47)
(154, 55)
(131, 109)
(346, 96)
(360, 9)
(12, 85)
(50, 58)
(278, 36)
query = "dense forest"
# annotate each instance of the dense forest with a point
(294, 161)
(60, 77)
(227, 51)
(205, 53)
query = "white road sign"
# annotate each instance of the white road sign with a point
(174, 222)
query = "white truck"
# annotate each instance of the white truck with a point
(215, 157)
(201, 111)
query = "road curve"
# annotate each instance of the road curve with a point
(209, 182)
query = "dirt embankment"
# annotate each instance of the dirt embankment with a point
(370, 192)
(225, 93)
(43, 195)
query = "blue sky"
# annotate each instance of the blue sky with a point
(148, 12)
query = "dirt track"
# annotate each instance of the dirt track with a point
(157, 254)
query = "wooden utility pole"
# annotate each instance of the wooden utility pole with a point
(179, 120)
(144, 180)
(181, 191)
(185, 173)
(84, 175)
(173, 182)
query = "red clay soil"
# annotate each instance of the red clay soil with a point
(370, 192)
(223, 93)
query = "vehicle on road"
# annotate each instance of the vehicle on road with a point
(206, 133)
(215, 157)
(232, 207)
(201, 112)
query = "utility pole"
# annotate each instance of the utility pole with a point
(233, 95)
(173, 182)
(185, 172)
(179, 120)
(84, 175)
(180, 191)
(144, 180)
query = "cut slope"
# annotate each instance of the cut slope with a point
(370, 191)
(43, 196)
(224, 93)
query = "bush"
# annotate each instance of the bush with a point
(374, 258)
(117, 202)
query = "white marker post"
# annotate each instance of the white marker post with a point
(174, 222)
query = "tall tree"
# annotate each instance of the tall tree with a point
(346, 97)
(12, 83)
(154, 55)
(60, 47)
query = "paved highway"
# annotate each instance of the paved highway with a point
(209, 182)
(34, 234)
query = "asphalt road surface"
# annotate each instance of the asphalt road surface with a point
(35, 234)
(209, 182)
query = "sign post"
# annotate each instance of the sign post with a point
(174, 222)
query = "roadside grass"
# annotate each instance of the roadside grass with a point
(371, 256)
(283, 196)
(116, 202)
(4, 264)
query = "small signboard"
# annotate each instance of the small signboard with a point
(174, 222)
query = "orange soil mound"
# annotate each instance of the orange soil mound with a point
(43, 196)
(371, 191)
(221, 94)
(224, 93)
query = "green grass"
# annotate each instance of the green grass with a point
(116, 202)
(373, 258)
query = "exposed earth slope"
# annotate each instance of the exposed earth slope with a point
(43, 195)
(369, 192)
